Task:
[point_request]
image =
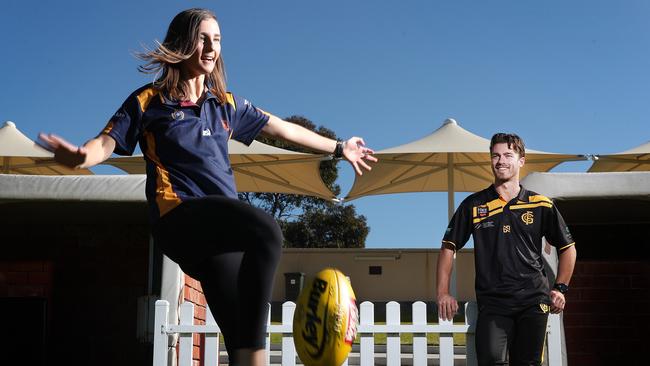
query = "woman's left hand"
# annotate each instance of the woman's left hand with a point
(355, 151)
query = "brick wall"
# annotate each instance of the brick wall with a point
(193, 293)
(608, 313)
(26, 278)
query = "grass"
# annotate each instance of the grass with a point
(407, 338)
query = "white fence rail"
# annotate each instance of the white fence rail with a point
(419, 328)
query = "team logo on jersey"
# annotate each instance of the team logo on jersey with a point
(528, 217)
(506, 229)
(225, 124)
(487, 224)
(206, 132)
(178, 115)
(545, 308)
(482, 211)
(484, 225)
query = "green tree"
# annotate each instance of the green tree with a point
(310, 222)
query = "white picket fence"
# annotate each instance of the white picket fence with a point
(366, 329)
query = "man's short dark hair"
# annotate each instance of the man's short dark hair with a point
(513, 141)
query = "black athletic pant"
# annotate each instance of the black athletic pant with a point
(519, 334)
(233, 249)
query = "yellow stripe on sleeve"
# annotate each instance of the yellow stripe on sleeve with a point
(449, 242)
(567, 246)
(108, 128)
(264, 112)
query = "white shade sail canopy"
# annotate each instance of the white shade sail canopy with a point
(261, 168)
(633, 160)
(20, 155)
(451, 159)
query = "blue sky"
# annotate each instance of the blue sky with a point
(567, 76)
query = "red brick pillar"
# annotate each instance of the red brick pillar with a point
(26, 279)
(193, 293)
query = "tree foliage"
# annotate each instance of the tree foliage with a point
(310, 222)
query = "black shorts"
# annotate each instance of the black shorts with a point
(511, 337)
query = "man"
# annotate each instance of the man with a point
(507, 223)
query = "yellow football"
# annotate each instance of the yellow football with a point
(325, 320)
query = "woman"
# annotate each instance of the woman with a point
(183, 122)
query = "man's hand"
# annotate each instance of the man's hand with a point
(447, 307)
(557, 302)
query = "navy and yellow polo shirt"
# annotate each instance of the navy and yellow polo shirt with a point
(508, 244)
(185, 145)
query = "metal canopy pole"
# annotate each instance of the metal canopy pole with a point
(450, 214)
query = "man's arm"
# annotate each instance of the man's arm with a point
(447, 304)
(567, 261)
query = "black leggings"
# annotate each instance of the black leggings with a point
(233, 249)
(519, 334)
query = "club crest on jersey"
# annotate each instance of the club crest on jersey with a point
(528, 218)
(178, 115)
(206, 132)
(545, 308)
(482, 211)
(506, 229)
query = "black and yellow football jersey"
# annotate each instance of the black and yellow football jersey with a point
(508, 244)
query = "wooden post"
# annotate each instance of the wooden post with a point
(186, 340)
(419, 339)
(554, 340)
(160, 334)
(393, 346)
(367, 347)
(446, 344)
(211, 350)
(288, 347)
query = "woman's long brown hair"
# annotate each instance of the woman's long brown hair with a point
(179, 44)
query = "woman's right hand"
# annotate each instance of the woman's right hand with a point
(65, 153)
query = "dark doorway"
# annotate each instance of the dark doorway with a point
(24, 330)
